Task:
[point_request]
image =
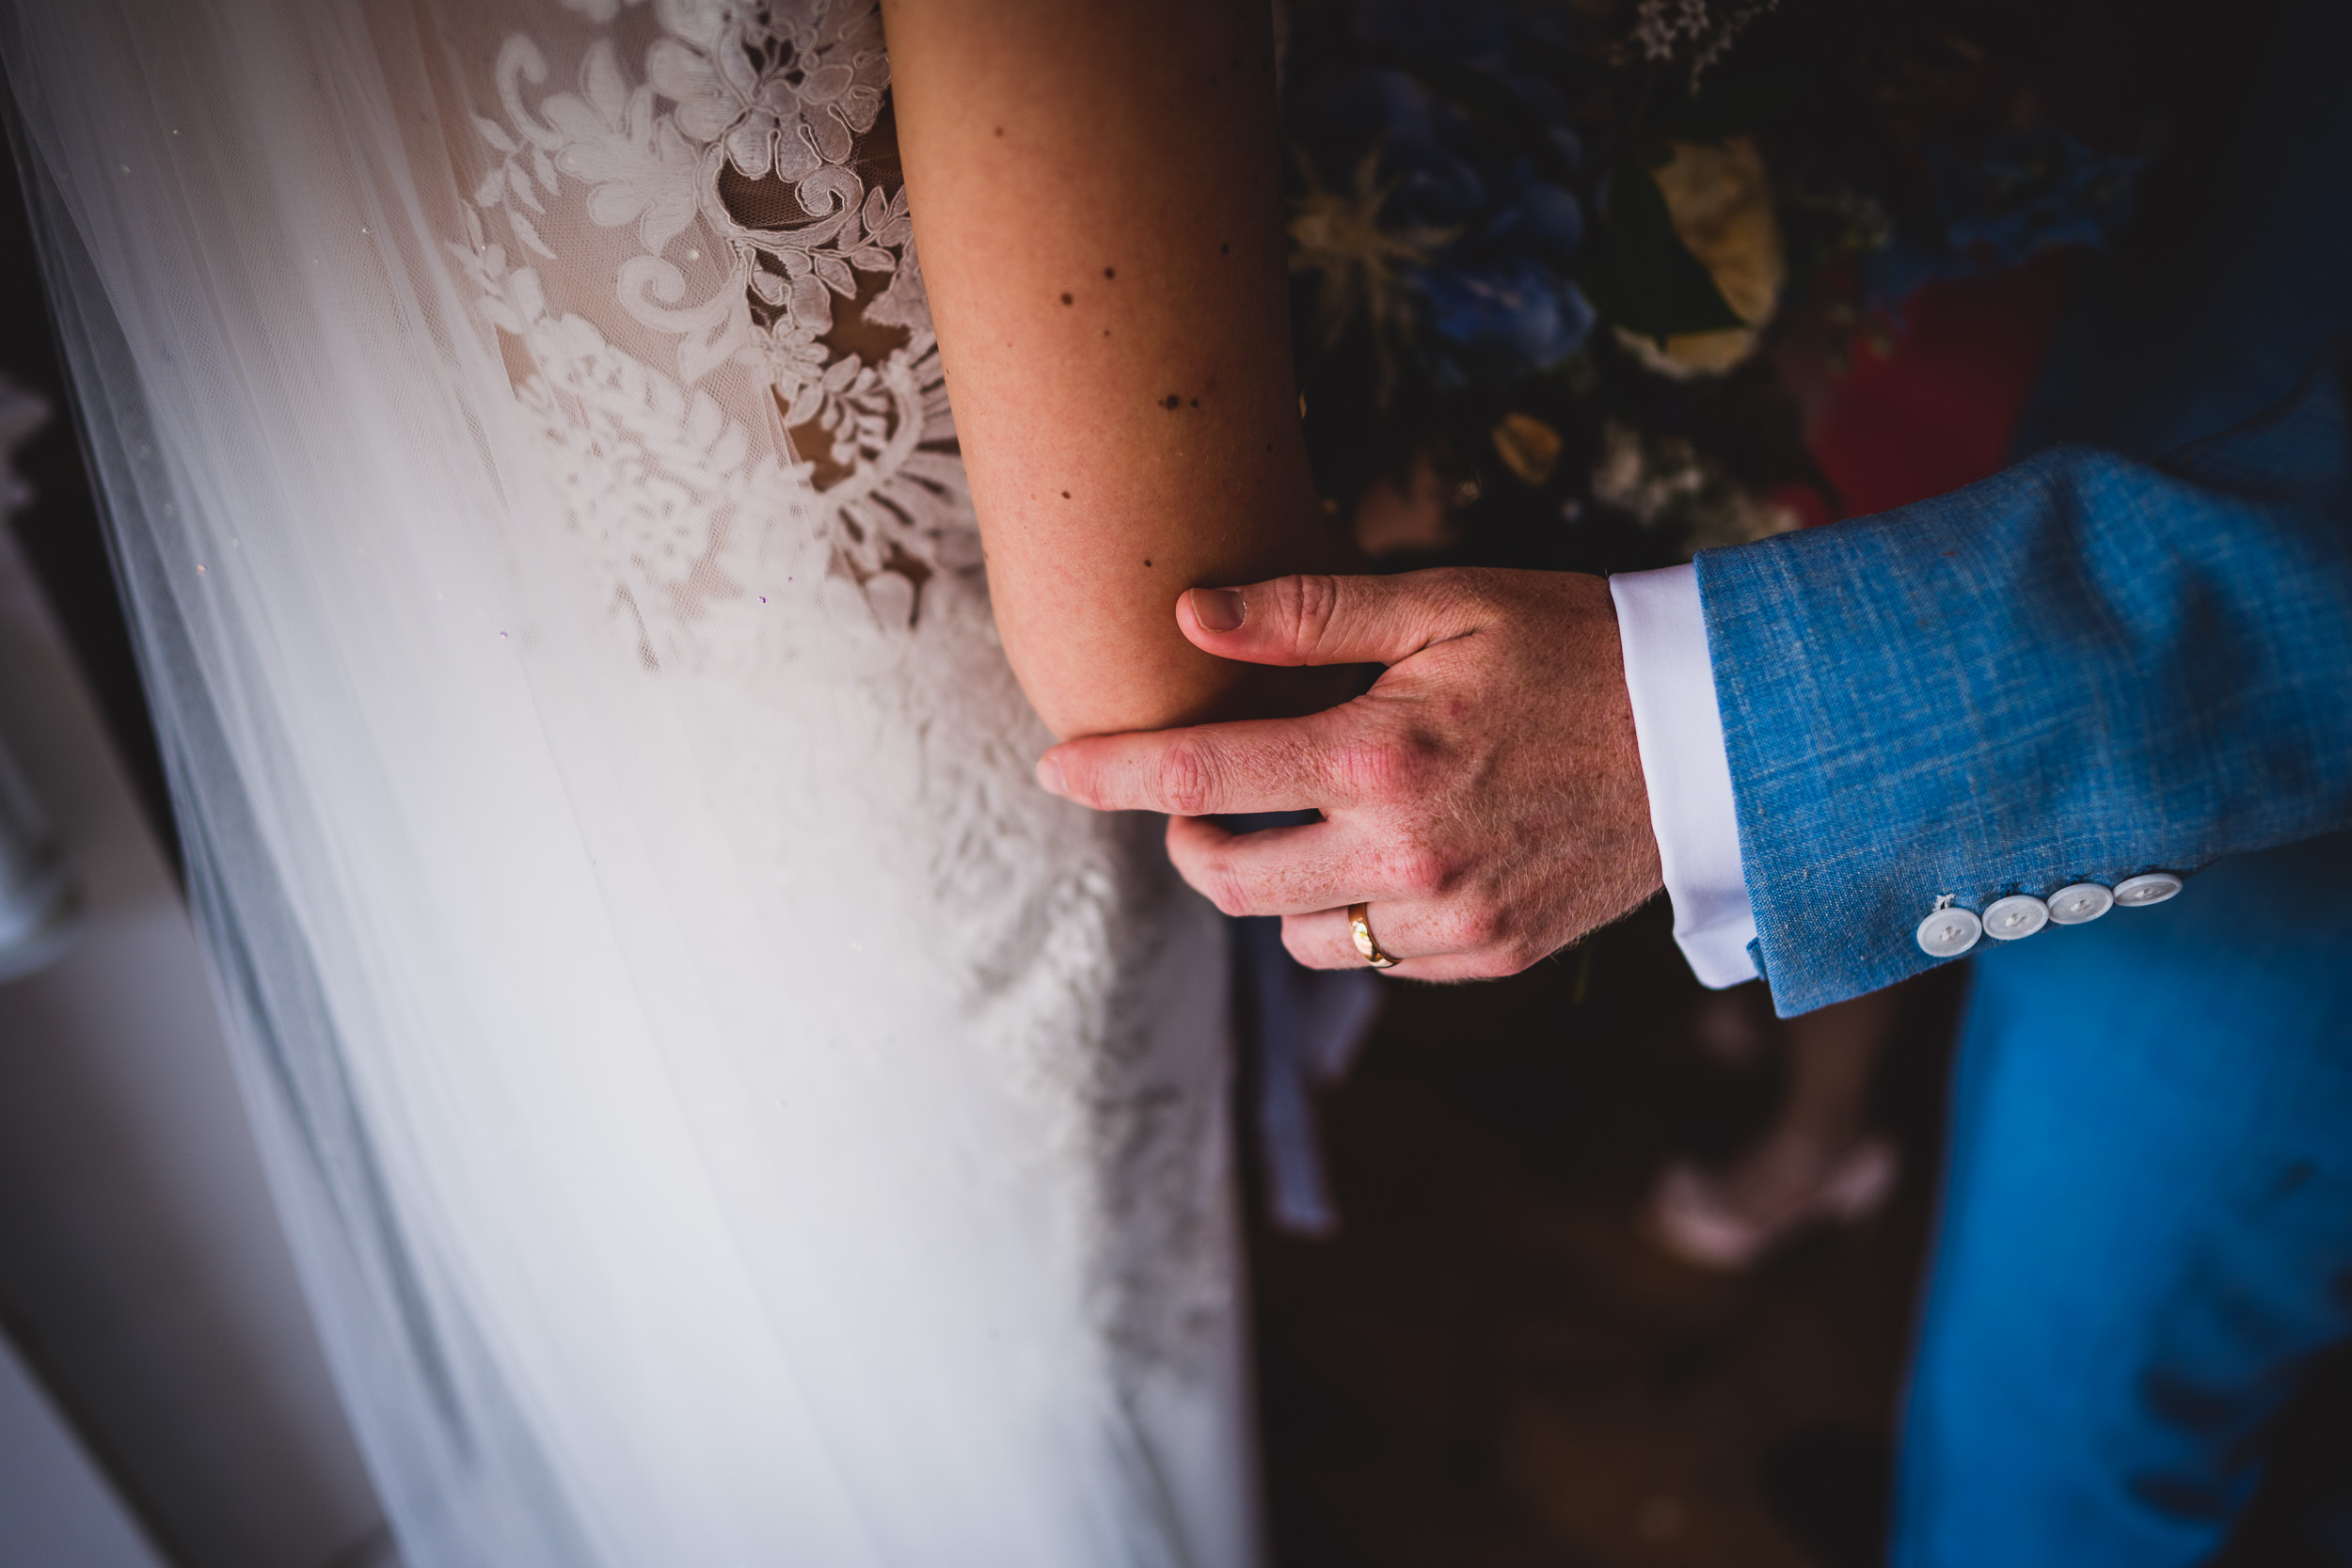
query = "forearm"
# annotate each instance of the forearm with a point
(1095, 194)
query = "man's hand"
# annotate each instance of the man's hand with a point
(1485, 797)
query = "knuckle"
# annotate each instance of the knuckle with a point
(1488, 965)
(1223, 885)
(1187, 779)
(1396, 767)
(1518, 955)
(1484, 966)
(1300, 943)
(1420, 757)
(1418, 870)
(1309, 603)
(1474, 927)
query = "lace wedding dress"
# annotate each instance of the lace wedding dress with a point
(725, 1113)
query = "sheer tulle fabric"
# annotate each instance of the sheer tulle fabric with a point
(725, 1112)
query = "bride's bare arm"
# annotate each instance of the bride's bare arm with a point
(1095, 187)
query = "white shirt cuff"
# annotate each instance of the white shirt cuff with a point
(1686, 769)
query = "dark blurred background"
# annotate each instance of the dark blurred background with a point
(1494, 1366)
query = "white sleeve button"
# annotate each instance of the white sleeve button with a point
(2080, 903)
(1948, 933)
(2153, 888)
(2020, 915)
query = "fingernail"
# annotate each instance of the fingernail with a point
(1049, 776)
(1218, 609)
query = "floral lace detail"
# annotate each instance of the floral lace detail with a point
(714, 323)
(776, 272)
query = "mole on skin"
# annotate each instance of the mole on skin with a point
(1065, 299)
(1110, 272)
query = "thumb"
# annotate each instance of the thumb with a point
(1318, 619)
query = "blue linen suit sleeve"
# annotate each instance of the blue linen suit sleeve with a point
(2080, 670)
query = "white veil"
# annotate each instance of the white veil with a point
(723, 1115)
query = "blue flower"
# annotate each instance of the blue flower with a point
(1339, 115)
(1480, 238)
(1500, 321)
(2026, 192)
(1533, 217)
(1497, 302)
(1477, 236)
(2031, 191)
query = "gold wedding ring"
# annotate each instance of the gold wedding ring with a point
(1360, 927)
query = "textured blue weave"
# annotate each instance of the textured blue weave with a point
(2079, 670)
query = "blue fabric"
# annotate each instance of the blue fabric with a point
(2147, 1225)
(2147, 1221)
(2082, 669)
(2086, 667)
(2089, 666)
